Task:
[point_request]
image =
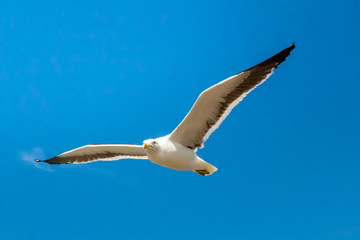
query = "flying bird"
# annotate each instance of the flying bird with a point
(178, 149)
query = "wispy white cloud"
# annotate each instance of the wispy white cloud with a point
(28, 157)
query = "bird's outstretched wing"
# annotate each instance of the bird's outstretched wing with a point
(215, 103)
(98, 152)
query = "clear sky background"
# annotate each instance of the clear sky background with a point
(75, 73)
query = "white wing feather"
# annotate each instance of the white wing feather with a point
(99, 152)
(214, 104)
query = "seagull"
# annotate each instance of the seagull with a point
(178, 149)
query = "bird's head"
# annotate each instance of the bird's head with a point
(151, 144)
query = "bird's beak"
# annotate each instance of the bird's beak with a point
(146, 146)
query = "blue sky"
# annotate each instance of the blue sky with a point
(123, 71)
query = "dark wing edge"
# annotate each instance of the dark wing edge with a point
(277, 58)
(104, 152)
(258, 74)
(254, 77)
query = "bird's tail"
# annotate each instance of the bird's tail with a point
(205, 168)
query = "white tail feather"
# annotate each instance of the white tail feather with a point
(205, 168)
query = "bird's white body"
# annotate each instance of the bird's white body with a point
(174, 155)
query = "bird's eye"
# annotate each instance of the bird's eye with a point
(153, 143)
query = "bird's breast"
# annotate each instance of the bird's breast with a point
(173, 156)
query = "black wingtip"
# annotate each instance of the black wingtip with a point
(277, 58)
(37, 160)
(292, 46)
(288, 49)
